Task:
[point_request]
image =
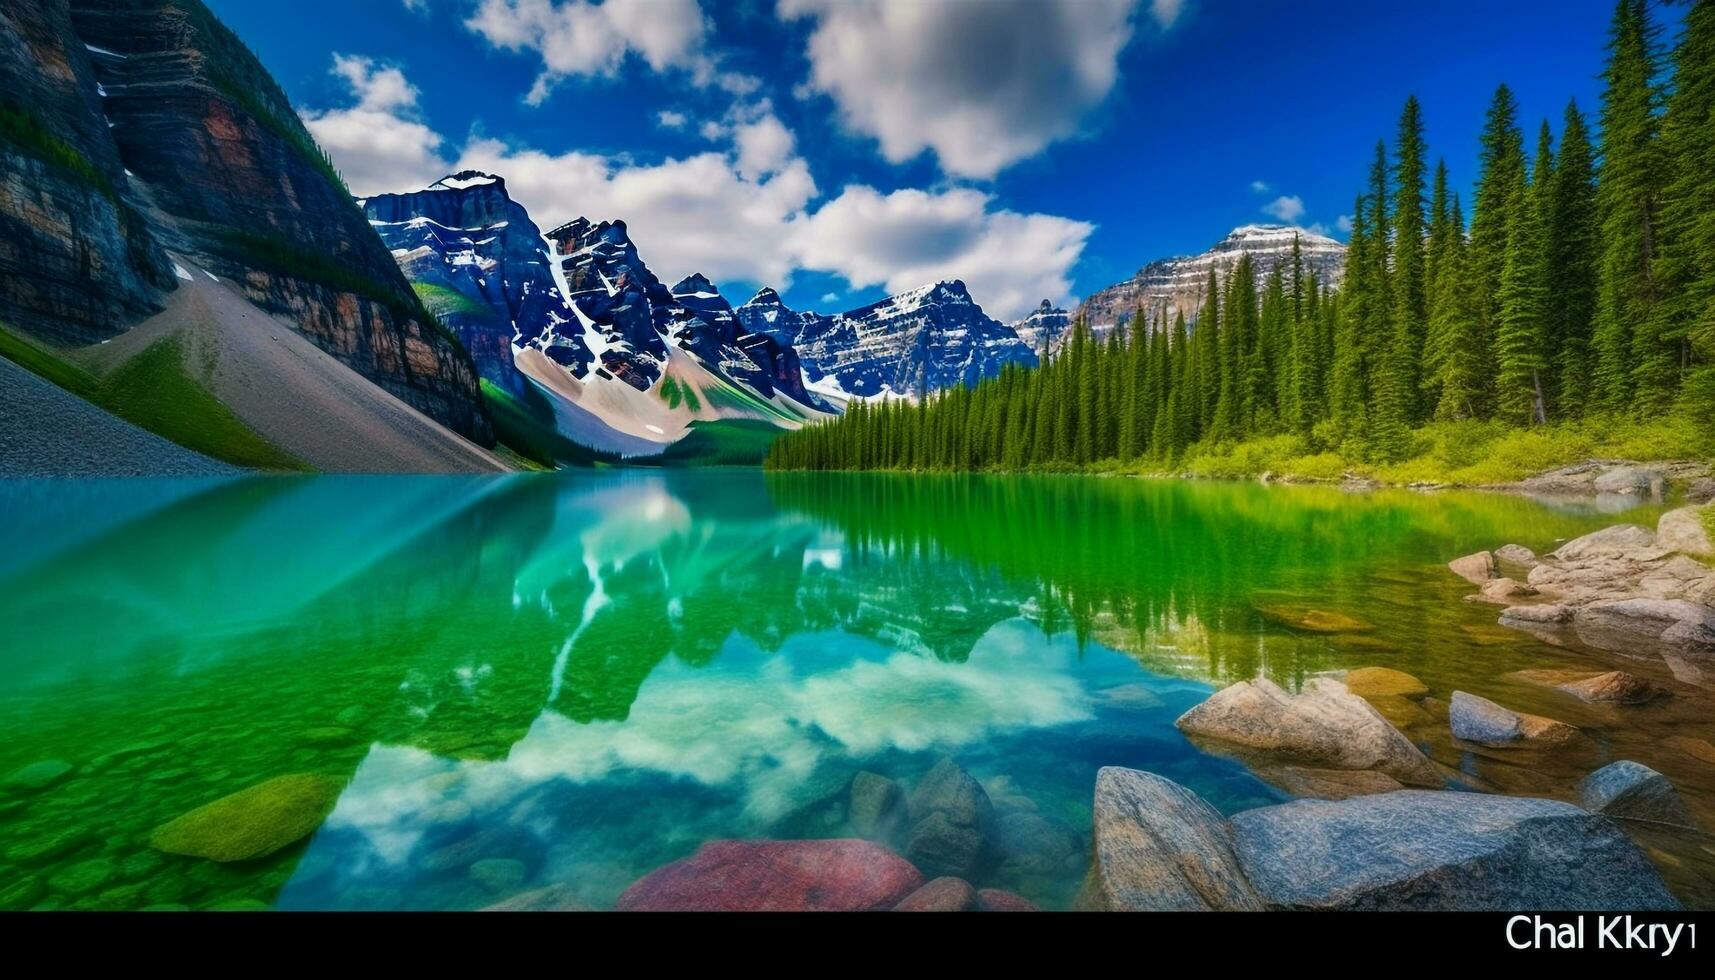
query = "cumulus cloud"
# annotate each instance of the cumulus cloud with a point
(696, 214)
(1166, 12)
(1288, 208)
(380, 144)
(1344, 224)
(981, 84)
(1009, 260)
(670, 119)
(579, 38)
(747, 210)
(1259, 187)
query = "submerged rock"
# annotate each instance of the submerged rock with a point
(876, 806)
(1159, 847)
(37, 776)
(996, 900)
(253, 822)
(1030, 845)
(1697, 748)
(1477, 719)
(1419, 850)
(1476, 569)
(1324, 726)
(1634, 791)
(1374, 682)
(941, 895)
(777, 876)
(553, 898)
(951, 819)
(1312, 620)
(498, 874)
(1612, 687)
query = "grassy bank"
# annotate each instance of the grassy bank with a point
(1469, 453)
(154, 391)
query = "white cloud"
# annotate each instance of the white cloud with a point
(1259, 187)
(697, 214)
(1287, 208)
(670, 119)
(982, 83)
(747, 210)
(830, 297)
(379, 144)
(900, 240)
(1344, 224)
(764, 146)
(1166, 12)
(580, 38)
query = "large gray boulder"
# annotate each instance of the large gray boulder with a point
(1160, 848)
(1324, 726)
(1443, 851)
(951, 820)
(1633, 791)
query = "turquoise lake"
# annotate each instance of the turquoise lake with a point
(572, 679)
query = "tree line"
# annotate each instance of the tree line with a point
(1582, 285)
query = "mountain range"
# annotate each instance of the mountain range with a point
(165, 216)
(1168, 287)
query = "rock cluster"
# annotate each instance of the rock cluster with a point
(1159, 846)
(1624, 588)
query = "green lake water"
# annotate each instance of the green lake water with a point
(522, 681)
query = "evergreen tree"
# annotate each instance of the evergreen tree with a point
(1521, 324)
(1687, 261)
(1570, 228)
(1409, 288)
(1629, 367)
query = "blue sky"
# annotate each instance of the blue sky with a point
(847, 148)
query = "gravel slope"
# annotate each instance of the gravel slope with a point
(291, 392)
(48, 431)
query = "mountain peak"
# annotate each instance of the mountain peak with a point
(466, 179)
(766, 296)
(695, 284)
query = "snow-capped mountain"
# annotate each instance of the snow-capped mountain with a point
(627, 362)
(1167, 287)
(1043, 327)
(482, 266)
(630, 319)
(924, 339)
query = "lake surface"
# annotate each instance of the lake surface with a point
(572, 679)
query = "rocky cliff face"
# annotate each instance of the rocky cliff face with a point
(77, 262)
(480, 264)
(1167, 287)
(203, 155)
(925, 339)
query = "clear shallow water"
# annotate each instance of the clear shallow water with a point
(574, 679)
